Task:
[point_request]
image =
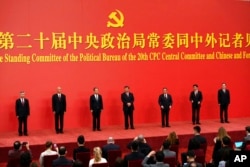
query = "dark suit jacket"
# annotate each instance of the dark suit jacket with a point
(143, 148)
(223, 98)
(198, 138)
(195, 98)
(246, 140)
(158, 164)
(96, 105)
(22, 110)
(59, 105)
(107, 148)
(127, 99)
(165, 102)
(61, 161)
(132, 156)
(222, 154)
(80, 149)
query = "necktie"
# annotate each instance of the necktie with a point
(165, 95)
(22, 101)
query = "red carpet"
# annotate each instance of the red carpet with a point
(153, 133)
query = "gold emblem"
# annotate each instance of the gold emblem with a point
(117, 21)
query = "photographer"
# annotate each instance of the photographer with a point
(16, 152)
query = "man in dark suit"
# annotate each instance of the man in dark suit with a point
(22, 113)
(62, 160)
(165, 101)
(96, 106)
(109, 146)
(59, 107)
(81, 146)
(195, 98)
(128, 107)
(246, 140)
(223, 101)
(197, 137)
(143, 146)
(134, 155)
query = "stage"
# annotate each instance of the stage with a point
(153, 133)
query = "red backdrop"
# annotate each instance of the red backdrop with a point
(223, 18)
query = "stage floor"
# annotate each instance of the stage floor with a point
(154, 134)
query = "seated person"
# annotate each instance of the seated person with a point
(143, 146)
(246, 139)
(48, 151)
(109, 146)
(173, 138)
(15, 153)
(191, 160)
(159, 156)
(134, 155)
(166, 151)
(97, 157)
(81, 146)
(62, 160)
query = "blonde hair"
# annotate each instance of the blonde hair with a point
(97, 154)
(222, 133)
(172, 137)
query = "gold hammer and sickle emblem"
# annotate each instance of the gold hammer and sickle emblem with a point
(117, 21)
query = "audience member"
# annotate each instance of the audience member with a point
(223, 154)
(173, 138)
(15, 153)
(62, 160)
(159, 156)
(134, 155)
(97, 157)
(246, 139)
(143, 146)
(109, 146)
(48, 151)
(218, 140)
(81, 146)
(191, 160)
(119, 162)
(77, 163)
(166, 149)
(25, 159)
(34, 164)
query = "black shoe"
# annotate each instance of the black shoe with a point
(132, 128)
(61, 132)
(193, 123)
(126, 128)
(227, 122)
(221, 121)
(20, 134)
(198, 123)
(168, 126)
(99, 129)
(94, 130)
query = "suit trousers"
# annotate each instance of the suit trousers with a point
(223, 113)
(128, 114)
(196, 114)
(96, 119)
(59, 117)
(22, 121)
(165, 117)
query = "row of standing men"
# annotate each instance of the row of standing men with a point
(96, 106)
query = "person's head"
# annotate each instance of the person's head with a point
(119, 162)
(134, 146)
(97, 154)
(126, 89)
(222, 132)
(25, 159)
(59, 89)
(159, 156)
(17, 145)
(172, 137)
(80, 140)
(247, 128)
(48, 144)
(164, 90)
(223, 86)
(77, 163)
(226, 141)
(34, 164)
(62, 151)
(197, 130)
(96, 90)
(140, 138)
(191, 156)
(110, 140)
(22, 94)
(166, 144)
(195, 87)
